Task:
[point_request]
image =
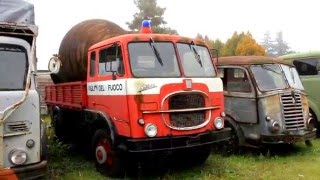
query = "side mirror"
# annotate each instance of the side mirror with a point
(112, 66)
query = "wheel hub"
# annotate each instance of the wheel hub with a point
(101, 154)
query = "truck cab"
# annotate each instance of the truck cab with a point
(22, 133)
(265, 101)
(144, 94)
(308, 67)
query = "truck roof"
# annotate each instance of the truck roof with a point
(17, 11)
(146, 37)
(250, 60)
(301, 55)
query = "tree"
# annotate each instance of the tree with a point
(218, 45)
(229, 49)
(247, 46)
(280, 46)
(213, 44)
(241, 44)
(276, 47)
(268, 44)
(148, 9)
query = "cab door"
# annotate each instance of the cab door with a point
(107, 84)
(240, 97)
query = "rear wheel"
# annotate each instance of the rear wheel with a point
(58, 125)
(108, 161)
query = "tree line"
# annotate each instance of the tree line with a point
(238, 44)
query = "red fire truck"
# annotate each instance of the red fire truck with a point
(135, 93)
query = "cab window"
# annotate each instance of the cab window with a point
(235, 80)
(111, 60)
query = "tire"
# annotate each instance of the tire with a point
(108, 161)
(58, 126)
(232, 145)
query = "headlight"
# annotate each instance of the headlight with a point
(311, 123)
(218, 122)
(18, 156)
(274, 126)
(151, 130)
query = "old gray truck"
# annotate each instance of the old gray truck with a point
(265, 102)
(22, 133)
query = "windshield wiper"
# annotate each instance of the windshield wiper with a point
(195, 53)
(155, 51)
(272, 70)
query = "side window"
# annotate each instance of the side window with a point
(111, 60)
(307, 67)
(92, 63)
(236, 80)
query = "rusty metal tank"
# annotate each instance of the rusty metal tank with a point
(75, 44)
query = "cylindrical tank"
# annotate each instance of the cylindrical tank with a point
(75, 44)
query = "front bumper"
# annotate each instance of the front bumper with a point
(30, 171)
(291, 137)
(176, 142)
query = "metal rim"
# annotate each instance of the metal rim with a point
(103, 152)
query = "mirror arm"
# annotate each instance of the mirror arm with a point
(114, 75)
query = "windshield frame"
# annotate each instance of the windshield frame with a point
(23, 50)
(196, 51)
(154, 49)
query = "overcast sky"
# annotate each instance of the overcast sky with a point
(297, 19)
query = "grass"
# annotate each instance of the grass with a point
(285, 162)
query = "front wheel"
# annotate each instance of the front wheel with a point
(108, 161)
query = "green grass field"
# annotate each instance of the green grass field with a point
(282, 163)
(294, 162)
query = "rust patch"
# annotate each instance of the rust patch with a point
(250, 60)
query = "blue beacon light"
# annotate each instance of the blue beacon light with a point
(146, 26)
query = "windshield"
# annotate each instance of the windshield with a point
(13, 67)
(269, 77)
(196, 60)
(292, 77)
(153, 59)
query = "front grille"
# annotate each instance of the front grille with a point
(19, 126)
(292, 109)
(187, 101)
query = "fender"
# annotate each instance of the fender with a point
(229, 119)
(232, 114)
(97, 117)
(315, 109)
